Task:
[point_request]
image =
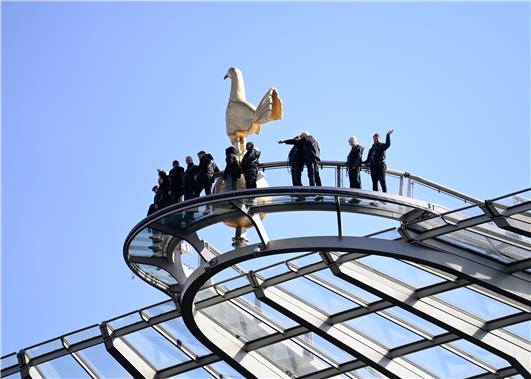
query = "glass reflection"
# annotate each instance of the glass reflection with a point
(178, 330)
(444, 363)
(319, 297)
(82, 335)
(44, 348)
(522, 329)
(406, 273)
(159, 309)
(362, 297)
(63, 367)
(9, 360)
(292, 358)
(156, 349)
(480, 353)
(413, 319)
(242, 324)
(157, 273)
(476, 304)
(383, 331)
(102, 363)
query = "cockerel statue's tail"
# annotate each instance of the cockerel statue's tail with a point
(269, 109)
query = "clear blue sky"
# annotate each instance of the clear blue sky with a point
(96, 96)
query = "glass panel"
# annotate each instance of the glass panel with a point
(275, 270)
(124, 321)
(64, 367)
(225, 370)
(455, 216)
(198, 373)
(204, 294)
(306, 260)
(226, 274)
(477, 304)
(480, 353)
(12, 376)
(522, 329)
(321, 298)
(187, 218)
(82, 335)
(190, 259)
(387, 235)
(419, 322)
(275, 317)
(104, 365)
(292, 358)
(9, 360)
(158, 273)
(148, 243)
(326, 348)
(368, 373)
(444, 363)
(261, 262)
(225, 286)
(427, 224)
(179, 331)
(511, 200)
(354, 291)
(246, 326)
(159, 309)
(383, 331)
(155, 348)
(486, 246)
(44, 348)
(413, 276)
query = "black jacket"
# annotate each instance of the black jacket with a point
(376, 156)
(188, 176)
(207, 168)
(250, 160)
(296, 154)
(232, 168)
(176, 176)
(162, 197)
(354, 158)
(311, 150)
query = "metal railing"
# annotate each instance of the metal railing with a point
(406, 179)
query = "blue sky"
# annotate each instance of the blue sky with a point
(96, 96)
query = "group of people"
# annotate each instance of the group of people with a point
(188, 183)
(305, 153)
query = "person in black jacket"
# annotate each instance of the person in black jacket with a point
(162, 197)
(250, 165)
(312, 157)
(354, 160)
(295, 159)
(376, 160)
(176, 176)
(189, 178)
(205, 176)
(153, 207)
(231, 174)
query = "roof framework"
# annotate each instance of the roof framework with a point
(444, 294)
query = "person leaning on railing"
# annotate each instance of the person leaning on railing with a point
(376, 160)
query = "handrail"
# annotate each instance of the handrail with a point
(339, 165)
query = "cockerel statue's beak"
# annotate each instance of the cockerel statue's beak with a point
(226, 76)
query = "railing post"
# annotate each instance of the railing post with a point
(401, 186)
(338, 176)
(409, 187)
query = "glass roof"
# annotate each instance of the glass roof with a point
(313, 313)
